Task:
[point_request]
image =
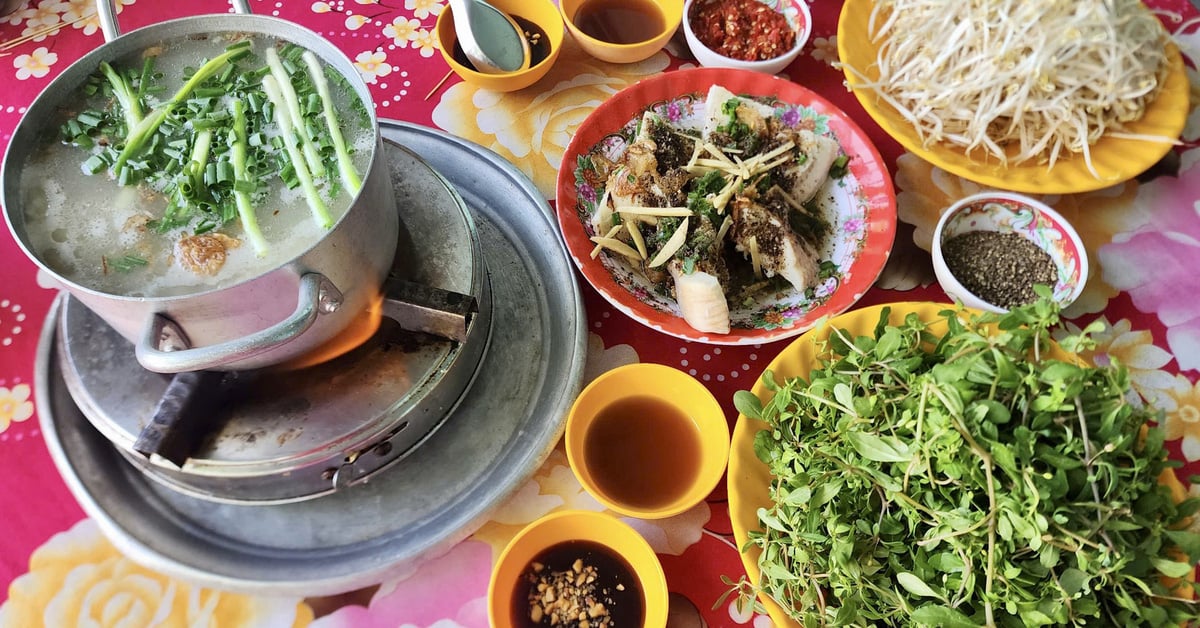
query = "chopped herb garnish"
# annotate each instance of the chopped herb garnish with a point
(127, 263)
(840, 167)
(205, 149)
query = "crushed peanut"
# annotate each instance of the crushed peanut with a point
(568, 598)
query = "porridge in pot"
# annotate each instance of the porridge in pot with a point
(195, 165)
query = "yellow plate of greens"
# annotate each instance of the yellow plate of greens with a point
(881, 515)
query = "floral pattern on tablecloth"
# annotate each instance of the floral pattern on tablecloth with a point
(78, 578)
(532, 128)
(74, 573)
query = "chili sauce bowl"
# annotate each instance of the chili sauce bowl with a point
(639, 28)
(647, 440)
(795, 12)
(987, 275)
(628, 578)
(545, 50)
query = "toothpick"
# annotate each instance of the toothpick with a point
(42, 31)
(439, 85)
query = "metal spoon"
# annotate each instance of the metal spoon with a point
(490, 38)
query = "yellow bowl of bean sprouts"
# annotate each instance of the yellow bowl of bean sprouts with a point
(1117, 152)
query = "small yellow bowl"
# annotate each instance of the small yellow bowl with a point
(616, 537)
(647, 440)
(540, 12)
(670, 10)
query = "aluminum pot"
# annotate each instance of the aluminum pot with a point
(275, 316)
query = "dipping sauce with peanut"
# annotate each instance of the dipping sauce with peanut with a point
(577, 584)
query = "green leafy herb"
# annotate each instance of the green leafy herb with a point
(840, 167)
(967, 478)
(208, 148)
(697, 199)
(127, 263)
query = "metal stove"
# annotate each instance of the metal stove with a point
(326, 478)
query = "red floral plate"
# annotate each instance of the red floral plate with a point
(861, 206)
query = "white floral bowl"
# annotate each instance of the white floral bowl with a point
(796, 13)
(1005, 212)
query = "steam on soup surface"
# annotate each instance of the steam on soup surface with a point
(173, 171)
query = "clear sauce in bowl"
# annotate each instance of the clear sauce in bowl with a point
(620, 22)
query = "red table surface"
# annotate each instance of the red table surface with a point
(1143, 238)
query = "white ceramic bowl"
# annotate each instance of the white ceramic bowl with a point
(795, 11)
(1008, 212)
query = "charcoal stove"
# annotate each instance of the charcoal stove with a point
(325, 478)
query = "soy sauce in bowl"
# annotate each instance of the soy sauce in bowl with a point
(577, 578)
(539, 44)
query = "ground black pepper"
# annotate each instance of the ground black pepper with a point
(1000, 268)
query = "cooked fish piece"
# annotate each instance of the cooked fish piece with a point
(749, 112)
(205, 254)
(701, 299)
(762, 232)
(627, 189)
(805, 176)
(672, 148)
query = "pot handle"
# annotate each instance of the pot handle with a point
(108, 16)
(164, 347)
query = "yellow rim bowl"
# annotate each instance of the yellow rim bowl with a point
(672, 14)
(540, 12)
(578, 525)
(680, 390)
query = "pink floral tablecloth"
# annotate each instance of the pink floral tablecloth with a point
(56, 567)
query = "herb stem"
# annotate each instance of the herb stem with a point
(345, 163)
(316, 205)
(1088, 451)
(241, 198)
(986, 460)
(296, 119)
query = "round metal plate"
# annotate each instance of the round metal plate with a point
(290, 435)
(508, 422)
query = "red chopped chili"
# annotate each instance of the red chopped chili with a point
(742, 29)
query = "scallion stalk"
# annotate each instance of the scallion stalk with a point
(345, 164)
(283, 119)
(131, 107)
(288, 92)
(242, 180)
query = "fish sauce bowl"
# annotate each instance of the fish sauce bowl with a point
(621, 31)
(627, 579)
(544, 48)
(986, 252)
(647, 440)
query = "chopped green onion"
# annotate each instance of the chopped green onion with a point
(345, 164)
(94, 164)
(128, 263)
(292, 102)
(89, 118)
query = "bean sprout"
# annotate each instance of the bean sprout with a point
(1018, 79)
